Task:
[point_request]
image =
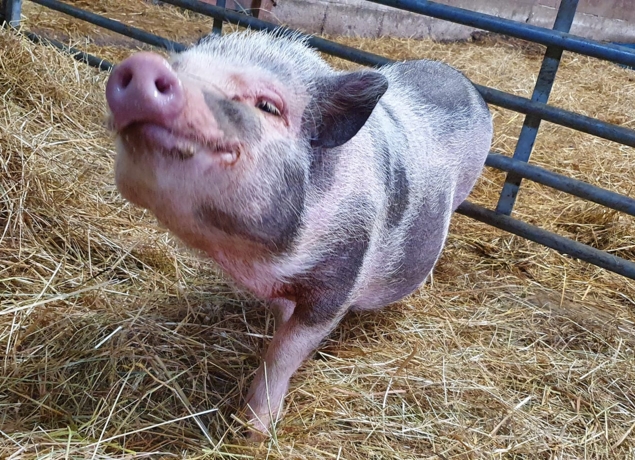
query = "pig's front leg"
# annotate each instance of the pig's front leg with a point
(322, 298)
(292, 343)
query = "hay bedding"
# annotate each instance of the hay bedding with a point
(112, 335)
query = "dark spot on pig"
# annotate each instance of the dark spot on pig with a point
(322, 161)
(233, 111)
(322, 291)
(395, 180)
(437, 84)
(277, 227)
(287, 204)
(422, 245)
(382, 153)
(234, 118)
(398, 196)
(390, 113)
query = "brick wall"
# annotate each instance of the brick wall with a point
(612, 20)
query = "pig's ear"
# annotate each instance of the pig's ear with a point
(342, 105)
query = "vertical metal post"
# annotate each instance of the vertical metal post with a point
(11, 10)
(255, 8)
(217, 27)
(527, 137)
(261, 9)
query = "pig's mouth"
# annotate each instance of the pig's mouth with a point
(179, 146)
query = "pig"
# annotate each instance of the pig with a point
(319, 191)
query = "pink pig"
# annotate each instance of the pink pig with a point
(319, 191)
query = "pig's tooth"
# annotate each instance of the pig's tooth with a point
(186, 150)
(228, 157)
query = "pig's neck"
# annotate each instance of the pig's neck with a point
(256, 274)
(250, 265)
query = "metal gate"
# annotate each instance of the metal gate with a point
(535, 109)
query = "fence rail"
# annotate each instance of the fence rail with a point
(535, 109)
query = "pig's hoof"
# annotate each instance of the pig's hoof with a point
(257, 427)
(255, 436)
(256, 431)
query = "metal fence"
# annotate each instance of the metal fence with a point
(535, 109)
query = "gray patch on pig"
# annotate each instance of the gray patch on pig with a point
(389, 112)
(233, 118)
(322, 167)
(439, 85)
(392, 169)
(322, 291)
(322, 161)
(422, 245)
(278, 225)
(383, 157)
(398, 196)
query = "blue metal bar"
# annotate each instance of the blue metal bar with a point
(109, 24)
(563, 183)
(86, 58)
(551, 240)
(569, 42)
(11, 11)
(542, 90)
(217, 27)
(559, 116)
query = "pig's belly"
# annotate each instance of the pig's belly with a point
(386, 288)
(383, 294)
(391, 278)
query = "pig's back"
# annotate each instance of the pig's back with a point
(438, 129)
(439, 85)
(447, 124)
(450, 116)
(444, 111)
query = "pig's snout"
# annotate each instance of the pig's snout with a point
(144, 88)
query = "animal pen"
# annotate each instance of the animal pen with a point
(535, 109)
(515, 168)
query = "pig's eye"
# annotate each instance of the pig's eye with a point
(268, 107)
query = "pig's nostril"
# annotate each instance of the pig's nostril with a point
(163, 84)
(144, 89)
(126, 78)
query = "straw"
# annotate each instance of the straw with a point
(119, 342)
